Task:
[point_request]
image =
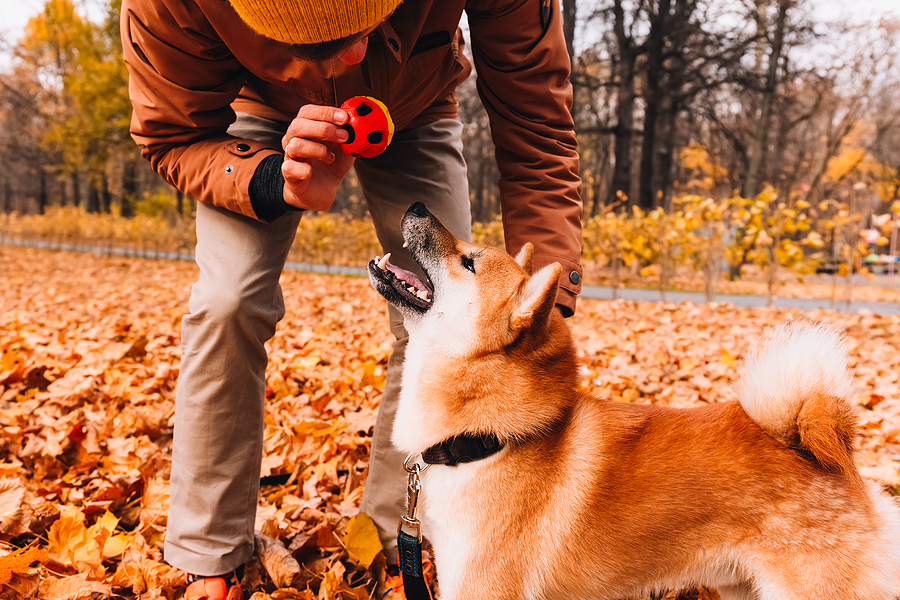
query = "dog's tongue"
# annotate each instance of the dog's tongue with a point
(406, 276)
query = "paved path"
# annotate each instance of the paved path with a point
(744, 301)
(594, 292)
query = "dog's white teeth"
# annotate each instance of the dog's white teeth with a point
(405, 245)
(383, 261)
(423, 295)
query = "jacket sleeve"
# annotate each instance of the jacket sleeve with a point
(523, 80)
(182, 80)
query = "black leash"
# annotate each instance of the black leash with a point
(409, 538)
(460, 449)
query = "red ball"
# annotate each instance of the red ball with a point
(370, 127)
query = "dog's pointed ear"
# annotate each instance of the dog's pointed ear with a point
(537, 297)
(525, 258)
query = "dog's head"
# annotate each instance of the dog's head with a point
(485, 344)
(473, 291)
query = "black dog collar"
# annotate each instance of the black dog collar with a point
(462, 449)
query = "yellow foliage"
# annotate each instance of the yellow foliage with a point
(70, 543)
(841, 165)
(699, 231)
(361, 540)
(322, 238)
(696, 157)
(859, 169)
(814, 239)
(489, 234)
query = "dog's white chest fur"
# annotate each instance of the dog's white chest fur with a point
(416, 425)
(449, 523)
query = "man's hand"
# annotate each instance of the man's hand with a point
(313, 165)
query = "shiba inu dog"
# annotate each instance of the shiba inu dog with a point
(588, 498)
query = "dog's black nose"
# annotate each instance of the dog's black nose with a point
(418, 209)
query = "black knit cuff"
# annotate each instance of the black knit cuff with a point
(267, 190)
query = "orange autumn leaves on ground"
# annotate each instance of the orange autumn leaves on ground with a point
(90, 354)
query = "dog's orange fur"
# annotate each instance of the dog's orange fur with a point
(595, 499)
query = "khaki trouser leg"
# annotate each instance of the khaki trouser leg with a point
(218, 436)
(421, 165)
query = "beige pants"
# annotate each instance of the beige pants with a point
(234, 308)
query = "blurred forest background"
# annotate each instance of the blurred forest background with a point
(773, 127)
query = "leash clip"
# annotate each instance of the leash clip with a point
(413, 488)
(412, 465)
(409, 535)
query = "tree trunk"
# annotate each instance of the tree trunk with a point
(76, 188)
(478, 194)
(569, 13)
(106, 195)
(179, 202)
(129, 187)
(667, 138)
(600, 159)
(761, 139)
(673, 99)
(624, 129)
(652, 97)
(7, 197)
(93, 200)
(42, 195)
(595, 205)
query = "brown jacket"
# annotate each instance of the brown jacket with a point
(194, 63)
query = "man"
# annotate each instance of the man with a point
(234, 105)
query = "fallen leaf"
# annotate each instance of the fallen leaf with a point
(12, 498)
(361, 540)
(278, 562)
(145, 575)
(19, 562)
(76, 587)
(71, 543)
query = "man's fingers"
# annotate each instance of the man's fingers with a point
(321, 123)
(304, 149)
(315, 130)
(296, 171)
(314, 112)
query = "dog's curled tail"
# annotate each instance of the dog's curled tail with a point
(797, 387)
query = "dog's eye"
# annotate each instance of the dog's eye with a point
(468, 263)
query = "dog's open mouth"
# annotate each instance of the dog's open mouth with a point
(400, 286)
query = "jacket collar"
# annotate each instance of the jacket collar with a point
(391, 40)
